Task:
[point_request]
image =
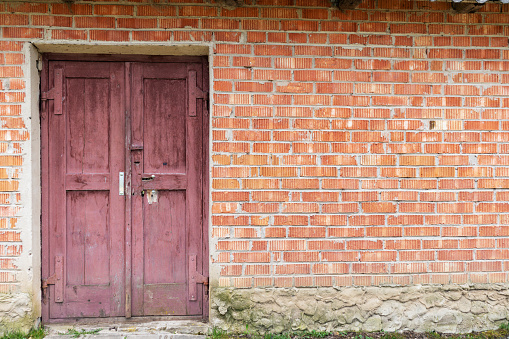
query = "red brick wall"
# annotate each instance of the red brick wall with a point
(358, 147)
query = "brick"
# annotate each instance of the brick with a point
(455, 208)
(455, 255)
(136, 23)
(300, 208)
(273, 50)
(69, 34)
(94, 22)
(443, 219)
(299, 160)
(47, 20)
(369, 268)
(307, 232)
(318, 171)
(381, 207)
(313, 50)
(232, 49)
(293, 63)
(417, 208)
(366, 220)
(22, 32)
(399, 195)
(417, 255)
(298, 37)
(231, 73)
(378, 256)
(251, 257)
(292, 269)
(239, 61)
(294, 220)
(384, 183)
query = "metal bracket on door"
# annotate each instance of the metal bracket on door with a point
(56, 279)
(194, 93)
(195, 278)
(55, 93)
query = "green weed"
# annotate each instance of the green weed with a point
(14, 335)
(276, 336)
(35, 333)
(433, 335)
(393, 335)
(218, 333)
(504, 326)
(316, 334)
(76, 333)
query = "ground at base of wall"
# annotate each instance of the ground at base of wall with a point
(419, 308)
(501, 333)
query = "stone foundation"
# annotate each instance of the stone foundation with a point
(16, 312)
(421, 308)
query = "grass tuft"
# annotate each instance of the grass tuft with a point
(35, 333)
(76, 334)
(217, 333)
(392, 335)
(504, 326)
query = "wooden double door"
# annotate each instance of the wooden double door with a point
(124, 182)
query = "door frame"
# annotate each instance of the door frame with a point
(44, 78)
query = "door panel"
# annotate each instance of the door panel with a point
(114, 117)
(88, 128)
(165, 101)
(86, 214)
(166, 182)
(87, 238)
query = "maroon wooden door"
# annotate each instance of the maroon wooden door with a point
(167, 188)
(85, 252)
(123, 202)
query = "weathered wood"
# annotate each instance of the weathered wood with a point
(466, 7)
(86, 214)
(204, 264)
(346, 4)
(128, 194)
(167, 175)
(125, 254)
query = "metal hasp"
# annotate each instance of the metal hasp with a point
(57, 280)
(195, 278)
(55, 93)
(194, 93)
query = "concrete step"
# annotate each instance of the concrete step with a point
(175, 329)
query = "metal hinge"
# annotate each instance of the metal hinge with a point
(55, 279)
(45, 283)
(195, 278)
(194, 92)
(49, 95)
(55, 93)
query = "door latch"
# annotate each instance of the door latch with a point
(121, 183)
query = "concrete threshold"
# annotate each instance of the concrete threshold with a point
(172, 329)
